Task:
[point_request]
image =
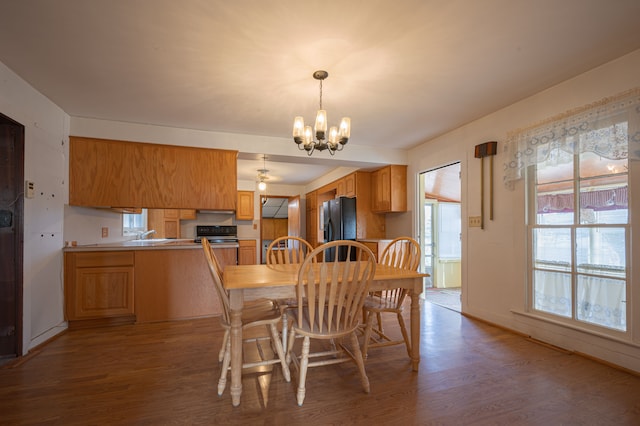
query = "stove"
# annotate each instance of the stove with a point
(217, 234)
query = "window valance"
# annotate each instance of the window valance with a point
(609, 128)
(604, 199)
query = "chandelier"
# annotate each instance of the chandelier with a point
(262, 174)
(303, 136)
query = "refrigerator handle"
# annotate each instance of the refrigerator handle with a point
(329, 231)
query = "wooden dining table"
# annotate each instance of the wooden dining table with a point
(249, 282)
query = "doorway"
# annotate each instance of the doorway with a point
(440, 231)
(279, 217)
(11, 237)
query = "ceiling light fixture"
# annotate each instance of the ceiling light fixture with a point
(262, 174)
(337, 137)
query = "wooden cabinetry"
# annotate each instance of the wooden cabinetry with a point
(311, 227)
(166, 222)
(389, 189)
(174, 284)
(350, 185)
(274, 228)
(370, 225)
(377, 247)
(188, 214)
(110, 173)
(244, 209)
(99, 286)
(247, 254)
(373, 246)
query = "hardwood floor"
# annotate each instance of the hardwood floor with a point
(167, 373)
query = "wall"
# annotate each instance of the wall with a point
(500, 247)
(46, 134)
(494, 259)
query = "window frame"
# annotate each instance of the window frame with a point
(532, 225)
(132, 232)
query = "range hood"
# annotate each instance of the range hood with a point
(217, 211)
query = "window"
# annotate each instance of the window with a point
(578, 214)
(133, 224)
(578, 244)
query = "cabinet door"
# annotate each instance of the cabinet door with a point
(245, 205)
(111, 173)
(247, 252)
(99, 285)
(389, 189)
(350, 185)
(188, 214)
(281, 228)
(103, 292)
(340, 189)
(381, 190)
(268, 229)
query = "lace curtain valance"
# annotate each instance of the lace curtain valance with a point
(609, 128)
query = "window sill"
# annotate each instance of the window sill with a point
(621, 339)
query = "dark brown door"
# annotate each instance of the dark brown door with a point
(11, 236)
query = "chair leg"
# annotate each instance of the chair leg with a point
(405, 335)
(284, 330)
(280, 351)
(360, 362)
(304, 364)
(379, 316)
(222, 383)
(292, 340)
(224, 344)
(367, 335)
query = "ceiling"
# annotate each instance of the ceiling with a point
(404, 71)
(277, 208)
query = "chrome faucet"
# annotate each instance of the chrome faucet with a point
(144, 235)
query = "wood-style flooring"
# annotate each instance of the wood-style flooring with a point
(167, 374)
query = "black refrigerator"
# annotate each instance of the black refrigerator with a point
(339, 223)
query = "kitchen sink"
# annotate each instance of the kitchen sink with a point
(147, 242)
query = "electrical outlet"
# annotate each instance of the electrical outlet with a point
(475, 221)
(105, 232)
(29, 189)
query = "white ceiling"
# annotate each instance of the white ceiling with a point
(404, 71)
(277, 208)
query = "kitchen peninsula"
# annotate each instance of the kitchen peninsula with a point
(140, 281)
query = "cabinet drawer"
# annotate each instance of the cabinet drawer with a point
(103, 258)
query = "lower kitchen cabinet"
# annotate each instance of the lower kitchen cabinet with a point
(247, 253)
(169, 285)
(99, 287)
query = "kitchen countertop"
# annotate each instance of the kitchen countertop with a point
(151, 244)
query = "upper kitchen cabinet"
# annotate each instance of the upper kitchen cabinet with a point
(110, 173)
(245, 205)
(356, 184)
(389, 189)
